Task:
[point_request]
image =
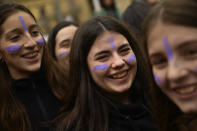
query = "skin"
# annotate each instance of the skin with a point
(178, 75)
(102, 53)
(27, 60)
(63, 44)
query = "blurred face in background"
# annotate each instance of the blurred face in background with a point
(112, 64)
(107, 3)
(21, 44)
(173, 53)
(63, 44)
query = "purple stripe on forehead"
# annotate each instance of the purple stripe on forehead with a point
(13, 48)
(157, 79)
(111, 41)
(40, 41)
(63, 53)
(168, 49)
(100, 67)
(23, 23)
(132, 58)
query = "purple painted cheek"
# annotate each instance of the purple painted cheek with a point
(40, 42)
(100, 67)
(13, 48)
(23, 23)
(132, 58)
(157, 79)
(168, 49)
(63, 54)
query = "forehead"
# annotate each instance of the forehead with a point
(69, 30)
(13, 20)
(105, 38)
(176, 34)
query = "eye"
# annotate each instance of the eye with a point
(35, 32)
(15, 38)
(102, 58)
(191, 52)
(159, 62)
(125, 51)
(65, 44)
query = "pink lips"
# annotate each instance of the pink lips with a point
(31, 59)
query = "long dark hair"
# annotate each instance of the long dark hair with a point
(13, 115)
(173, 12)
(88, 107)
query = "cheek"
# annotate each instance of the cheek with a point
(159, 77)
(98, 71)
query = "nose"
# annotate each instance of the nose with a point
(176, 73)
(29, 41)
(117, 62)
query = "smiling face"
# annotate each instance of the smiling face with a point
(63, 44)
(20, 44)
(173, 54)
(112, 63)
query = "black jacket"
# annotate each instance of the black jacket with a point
(41, 105)
(132, 117)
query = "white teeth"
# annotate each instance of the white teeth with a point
(31, 55)
(120, 75)
(187, 90)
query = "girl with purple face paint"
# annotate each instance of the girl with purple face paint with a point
(107, 80)
(170, 40)
(32, 84)
(60, 41)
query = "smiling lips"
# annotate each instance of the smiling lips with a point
(187, 92)
(119, 75)
(31, 56)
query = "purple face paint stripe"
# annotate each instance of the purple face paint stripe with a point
(132, 58)
(40, 41)
(23, 23)
(112, 43)
(157, 79)
(100, 67)
(63, 53)
(13, 48)
(168, 49)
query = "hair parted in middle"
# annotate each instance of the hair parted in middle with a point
(88, 107)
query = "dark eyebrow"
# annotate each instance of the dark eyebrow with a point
(185, 44)
(34, 26)
(124, 45)
(155, 54)
(101, 52)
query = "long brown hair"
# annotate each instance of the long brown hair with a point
(88, 109)
(175, 12)
(13, 115)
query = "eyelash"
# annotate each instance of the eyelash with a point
(159, 62)
(35, 33)
(102, 58)
(15, 38)
(125, 50)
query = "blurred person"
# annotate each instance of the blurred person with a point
(170, 40)
(134, 16)
(33, 85)
(108, 8)
(60, 42)
(107, 80)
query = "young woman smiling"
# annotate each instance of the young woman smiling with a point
(170, 40)
(107, 78)
(33, 89)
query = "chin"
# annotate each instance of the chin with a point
(189, 110)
